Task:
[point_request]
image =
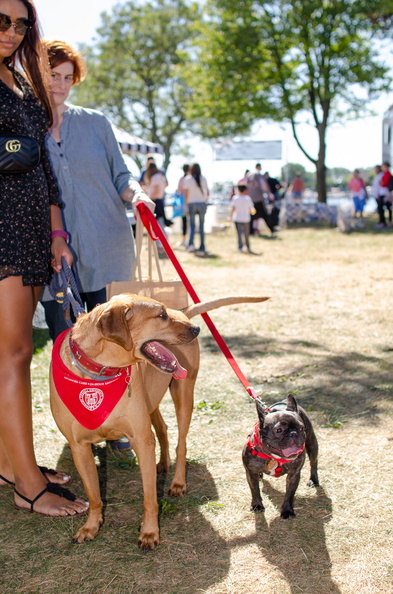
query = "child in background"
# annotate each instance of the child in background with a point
(241, 211)
(359, 195)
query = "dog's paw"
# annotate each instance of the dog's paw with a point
(177, 490)
(257, 508)
(148, 541)
(288, 515)
(84, 535)
(162, 467)
(313, 483)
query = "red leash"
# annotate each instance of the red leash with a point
(153, 228)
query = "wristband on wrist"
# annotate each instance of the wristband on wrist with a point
(59, 233)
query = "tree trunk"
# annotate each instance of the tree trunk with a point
(320, 165)
(321, 181)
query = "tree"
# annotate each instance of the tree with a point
(289, 171)
(297, 60)
(135, 68)
(380, 13)
(338, 177)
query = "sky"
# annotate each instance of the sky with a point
(354, 144)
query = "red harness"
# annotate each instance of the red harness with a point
(89, 401)
(255, 446)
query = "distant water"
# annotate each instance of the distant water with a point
(222, 201)
(371, 205)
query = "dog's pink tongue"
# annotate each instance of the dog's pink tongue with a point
(292, 451)
(165, 359)
(180, 372)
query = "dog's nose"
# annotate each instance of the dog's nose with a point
(195, 330)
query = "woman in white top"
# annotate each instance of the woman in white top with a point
(196, 194)
(180, 191)
(155, 183)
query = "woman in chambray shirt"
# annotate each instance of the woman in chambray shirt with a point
(94, 183)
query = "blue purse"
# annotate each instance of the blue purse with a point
(178, 205)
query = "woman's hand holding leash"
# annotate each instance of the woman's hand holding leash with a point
(135, 194)
(142, 197)
(60, 249)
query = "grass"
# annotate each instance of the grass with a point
(326, 336)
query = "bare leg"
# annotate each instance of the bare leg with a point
(17, 459)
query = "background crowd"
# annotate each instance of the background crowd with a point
(71, 203)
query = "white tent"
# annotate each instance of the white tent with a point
(131, 144)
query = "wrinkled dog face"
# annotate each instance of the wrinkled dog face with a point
(282, 432)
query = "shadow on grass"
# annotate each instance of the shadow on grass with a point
(336, 386)
(313, 225)
(297, 548)
(190, 558)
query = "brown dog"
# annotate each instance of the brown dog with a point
(131, 330)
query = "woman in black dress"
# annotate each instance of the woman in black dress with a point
(31, 239)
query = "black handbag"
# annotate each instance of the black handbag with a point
(18, 154)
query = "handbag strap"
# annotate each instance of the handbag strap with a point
(137, 271)
(152, 253)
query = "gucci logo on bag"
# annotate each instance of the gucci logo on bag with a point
(12, 146)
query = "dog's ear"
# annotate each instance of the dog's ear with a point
(262, 412)
(113, 323)
(291, 403)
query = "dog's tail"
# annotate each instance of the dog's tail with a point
(205, 306)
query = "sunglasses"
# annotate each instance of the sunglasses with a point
(21, 25)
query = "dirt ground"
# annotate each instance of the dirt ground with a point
(324, 335)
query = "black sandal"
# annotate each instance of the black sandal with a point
(50, 488)
(6, 480)
(44, 471)
(52, 472)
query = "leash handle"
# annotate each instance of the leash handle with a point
(65, 291)
(154, 230)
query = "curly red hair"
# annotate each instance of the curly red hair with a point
(60, 52)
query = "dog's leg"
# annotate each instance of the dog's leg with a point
(256, 499)
(85, 464)
(312, 452)
(144, 445)
(253, 470)
(182, 393)
(293, 478)
(161, 430)
(142, 437)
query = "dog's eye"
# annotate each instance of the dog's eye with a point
(278, 430)
(163, 315)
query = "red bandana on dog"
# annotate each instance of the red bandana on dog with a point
(89, 401)
(255, 446)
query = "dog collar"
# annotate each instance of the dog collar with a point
(91, 368)
(255, 445)
(89, 401)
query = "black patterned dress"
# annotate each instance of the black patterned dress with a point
(25, 198)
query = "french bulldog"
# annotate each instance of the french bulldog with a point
(277, 446)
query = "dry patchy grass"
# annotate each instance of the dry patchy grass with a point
(325, 335)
